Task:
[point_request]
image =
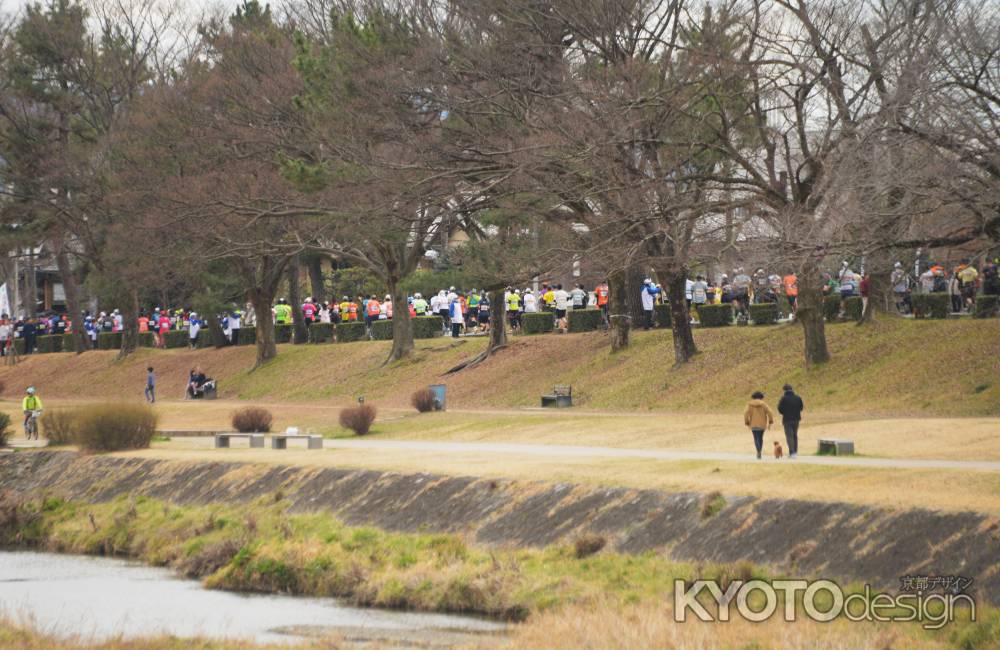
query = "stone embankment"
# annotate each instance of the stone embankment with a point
(798, 538)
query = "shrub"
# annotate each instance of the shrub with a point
(427, 327)
(350, 331)
(358, 418)
(60, 426)
(146, 340)
(987, 306)
(382, 330)
(931, 305)
(715, 315)
(110, 427)
(177, 339)
(49, 343)
(831, 307)
(67, 343)
(109, 340)
(584, 320)
(248, 336)
(282, 333)
(537, 323)
(587, 545)
(662, 315)
(321, 333)
(252, 419)
(19, 346)
(423, 400)
(4, 429)
(854, 308)
(712, 505)
(765, 313)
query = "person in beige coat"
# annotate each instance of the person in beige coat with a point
(758, 417)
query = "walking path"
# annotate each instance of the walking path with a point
(568, 451)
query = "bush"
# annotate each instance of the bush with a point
(146, 340)
(715, 315)
(587, 545)
(50, 343)
(248, 336)
(350, 331)
(661, 314)
(854, 308)
(987, 306)
(427, 327)
(252, 419)
(423, 400)
(110, 427)
(59, 426)
(4, 429)
(282, 333)
(358, 418)
(382, 330)
(537, 323)
(831, 307)
(931, 305)
(109, 341)
(584, 320)
(321, 333)
(67, 343)
(19, 346)
(177, 339)
(765, 313)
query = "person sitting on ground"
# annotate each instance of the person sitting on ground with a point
(196, 383)
(758, 417)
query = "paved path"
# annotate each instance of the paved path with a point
(567, 451)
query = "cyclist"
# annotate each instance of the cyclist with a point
(32, 407)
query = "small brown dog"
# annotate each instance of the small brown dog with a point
(778, 452)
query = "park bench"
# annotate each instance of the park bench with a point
(222, 439)
(561, 397)
(831, 447)
(280, 440)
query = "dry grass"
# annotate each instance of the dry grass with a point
(893, 368)
(650, 626)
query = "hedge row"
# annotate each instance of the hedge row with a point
(661, 314)
(987, 306)
(537, 323)
(715, 315)
(931, 305)
(765, 313)
(585, 320)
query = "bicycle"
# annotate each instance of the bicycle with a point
(31, 424)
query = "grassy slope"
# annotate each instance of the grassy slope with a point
(893, 368)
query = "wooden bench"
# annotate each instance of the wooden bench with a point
(222, 439)
(280, 440)
(561, 397)
(831, 447)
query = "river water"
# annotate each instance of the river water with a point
(100, 598)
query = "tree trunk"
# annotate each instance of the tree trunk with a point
(620, 317)
(262, 299)
(634, 275)
(879, 288)
(300, 334)
(402, 326)
(72, 297)
(30, 300)
(498, 314)
(680, 320)
(810, 316)
(316, 280)
(130, 323)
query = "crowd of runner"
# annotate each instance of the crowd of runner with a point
(468, 312)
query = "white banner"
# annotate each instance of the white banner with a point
(4, 300)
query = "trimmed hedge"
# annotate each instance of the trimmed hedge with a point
(350, 331)
(177, 339)
(320, 332)
(987, 306)
(765, 313)
(382, 330)
(19, 346)
(67, 343)
(537, 323)
(831, 307)
(49, 343)
(426, 327)
(854, 308)
(931, 305)
(109, 341)
(716, 315)
(661, 313)
(584, 320)
(282, 333)
(146, 340)
(248, 336)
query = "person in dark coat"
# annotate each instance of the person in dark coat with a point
(790, 406)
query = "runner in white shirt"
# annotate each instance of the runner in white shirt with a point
(530, 302)
(562, 305)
